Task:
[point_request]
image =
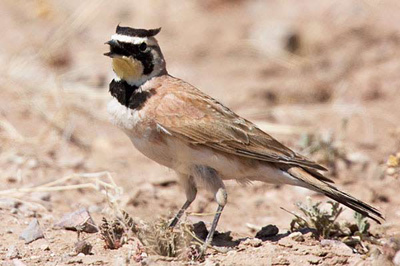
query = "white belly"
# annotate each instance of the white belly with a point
(182, 158)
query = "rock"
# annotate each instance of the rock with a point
(280, 260)
(314, 261)
(231, 252)
(79, 220)
(253, 227)
(267, 231)
(75, 260)
(30, 210)
(320, 253)
(32, 232)
(45, 247)
(339, 246)
(285, 242)
(37, 258)
(7, 203)
(253, 242)
(41, 196)
(12, 253)
(396, 259)
(297, 236)
(32, 163)
(83, 247)
(390, 171)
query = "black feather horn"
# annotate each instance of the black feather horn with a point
(137, 32)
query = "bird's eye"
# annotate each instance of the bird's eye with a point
(143, 47)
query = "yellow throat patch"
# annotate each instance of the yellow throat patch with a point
(127, 68)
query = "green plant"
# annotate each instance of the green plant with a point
(324, 224)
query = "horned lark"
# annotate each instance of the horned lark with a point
(204, 142)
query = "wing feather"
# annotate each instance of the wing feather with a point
(189, 114)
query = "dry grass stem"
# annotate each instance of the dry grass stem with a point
(56, 185)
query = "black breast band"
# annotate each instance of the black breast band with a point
(128, 95)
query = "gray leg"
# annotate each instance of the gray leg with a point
(180, 213)
(191, 191)
(221, 197)
(209, 177)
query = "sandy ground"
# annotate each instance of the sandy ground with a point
(329, 69)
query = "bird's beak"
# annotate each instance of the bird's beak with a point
(113, 44)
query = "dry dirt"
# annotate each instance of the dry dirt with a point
(329, 68)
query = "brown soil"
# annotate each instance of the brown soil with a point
(292, 67)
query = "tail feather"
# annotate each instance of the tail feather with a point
(318, 185)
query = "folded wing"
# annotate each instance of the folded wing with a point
(201, 120)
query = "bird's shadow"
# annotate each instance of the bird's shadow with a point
(226, 240)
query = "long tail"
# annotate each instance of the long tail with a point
(318, 184)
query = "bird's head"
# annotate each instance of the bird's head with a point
(136, 56)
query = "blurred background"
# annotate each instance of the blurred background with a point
(320, 76)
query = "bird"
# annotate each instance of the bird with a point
(178, 126)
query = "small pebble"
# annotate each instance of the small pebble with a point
(43, 196)
(390, 171)
(314, 261)
(45, 247)
(83, 247)
(280, 261)
(7, 203)
(32, 163)
(253, 242)
(231, 252)
(12, 253)
(75, 260)
(297, 236)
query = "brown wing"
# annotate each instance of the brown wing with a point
(189, 114)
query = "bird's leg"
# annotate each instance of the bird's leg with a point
(191, 191)
(180, 213)
(209, 177)
(221, 198)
